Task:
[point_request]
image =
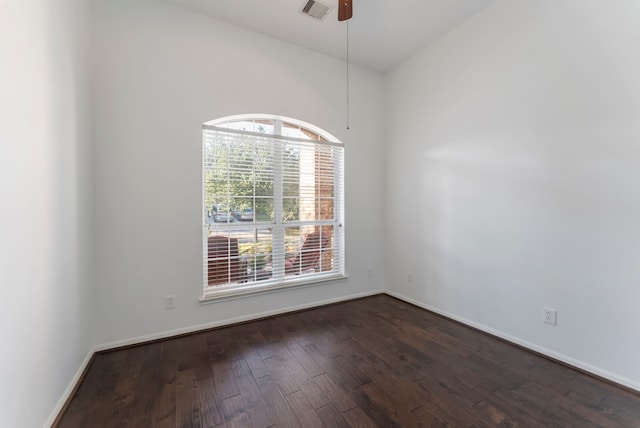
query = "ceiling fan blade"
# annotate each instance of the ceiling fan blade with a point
(345, 9)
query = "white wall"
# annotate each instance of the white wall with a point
(45, 323)
(158, 73)
(513, 177)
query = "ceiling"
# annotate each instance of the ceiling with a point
(382, 33)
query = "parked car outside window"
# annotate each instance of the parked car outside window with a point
(245, 215)
(223, 217)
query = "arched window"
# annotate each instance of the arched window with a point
(273, 204)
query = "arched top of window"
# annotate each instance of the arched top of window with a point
(274, 125)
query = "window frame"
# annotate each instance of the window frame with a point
(279, 225)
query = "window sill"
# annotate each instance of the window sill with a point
(228, 293)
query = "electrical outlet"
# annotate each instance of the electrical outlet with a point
(550, 316)
(370, 272)
(170, 302)
(409, 277)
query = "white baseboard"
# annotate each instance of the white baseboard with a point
(229, 321)
(67, 393)
(192, 329)
(155, 336)
(544, 351)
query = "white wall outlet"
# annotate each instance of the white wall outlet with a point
(370, 272)
(169, 301)
(550, 316)
(409, 277)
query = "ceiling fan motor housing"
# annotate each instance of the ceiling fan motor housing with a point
(345, 9)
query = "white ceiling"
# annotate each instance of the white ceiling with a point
(382, 33)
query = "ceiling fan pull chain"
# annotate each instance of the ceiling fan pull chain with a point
(347, 75)
(345, 12)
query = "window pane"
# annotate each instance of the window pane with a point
(327, 254)
(291, 170)
(242, 125)
(240, 182)
(224, 264)
(308, 249)
(236, 166)
(290, 209)
(264, 188)
(258, 254)
(264, 209)
(243, 209)
(238, 256)
(263, 126)
(325, 208)
(295, 131)
(308, 182)
(292, 242)
(263, 168)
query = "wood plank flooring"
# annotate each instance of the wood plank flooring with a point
(373, 362)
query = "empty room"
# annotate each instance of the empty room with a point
(299, 213)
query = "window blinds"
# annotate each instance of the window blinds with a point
(273, 208)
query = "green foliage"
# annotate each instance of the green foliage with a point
(240, 172)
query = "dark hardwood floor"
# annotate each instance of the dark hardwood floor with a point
(374, 362)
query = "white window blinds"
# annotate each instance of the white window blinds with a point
(273, 206)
